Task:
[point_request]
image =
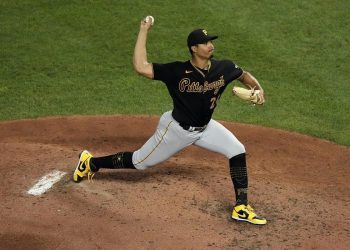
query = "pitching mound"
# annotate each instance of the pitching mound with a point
(299, 183)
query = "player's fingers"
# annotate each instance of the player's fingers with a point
(262, 98)
(144, 24)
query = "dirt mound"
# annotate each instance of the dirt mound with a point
(299, 183)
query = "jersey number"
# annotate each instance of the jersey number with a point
(214, 101)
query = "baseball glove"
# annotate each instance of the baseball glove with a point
(254, 96)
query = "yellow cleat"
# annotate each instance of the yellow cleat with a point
(83, 167)
(246, 213)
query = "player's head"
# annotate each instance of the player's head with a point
(199, 36)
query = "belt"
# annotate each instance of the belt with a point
(192, 129)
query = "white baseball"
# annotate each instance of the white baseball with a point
(149, 19)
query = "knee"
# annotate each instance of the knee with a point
(237, 150)
(241, 149)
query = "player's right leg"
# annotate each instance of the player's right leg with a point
(168, 139)
(89, 165)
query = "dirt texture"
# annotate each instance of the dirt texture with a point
(299, 183)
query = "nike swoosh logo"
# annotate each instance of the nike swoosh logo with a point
(188, 71)
(244, 215)
(82, 167)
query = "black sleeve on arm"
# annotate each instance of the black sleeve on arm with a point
(235, 71)
(160, 71)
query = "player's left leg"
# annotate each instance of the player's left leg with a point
(218, 139)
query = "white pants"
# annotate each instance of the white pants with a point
(169, 138)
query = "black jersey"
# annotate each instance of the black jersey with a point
(195, 92)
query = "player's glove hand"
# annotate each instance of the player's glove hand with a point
(252, 95)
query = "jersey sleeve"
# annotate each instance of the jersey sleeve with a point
(162, 72)
(235, 71)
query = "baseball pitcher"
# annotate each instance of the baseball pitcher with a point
(195, 87)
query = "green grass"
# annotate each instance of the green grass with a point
(75, 57)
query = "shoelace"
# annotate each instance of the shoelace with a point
(251, 211)
(249, 208)
(90, 176)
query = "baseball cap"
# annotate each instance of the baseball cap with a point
(199, 36)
